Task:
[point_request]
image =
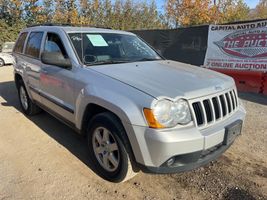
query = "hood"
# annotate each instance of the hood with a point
(167, 78)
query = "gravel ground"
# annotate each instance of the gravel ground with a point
(40, 158)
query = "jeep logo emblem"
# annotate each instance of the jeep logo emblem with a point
(218, 88)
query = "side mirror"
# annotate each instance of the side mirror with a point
(55, 58)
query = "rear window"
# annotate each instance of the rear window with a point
(34, 44)
(20, 43)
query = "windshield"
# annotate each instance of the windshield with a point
(103, 48)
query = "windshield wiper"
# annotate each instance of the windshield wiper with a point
(106, 62)
(147, 59)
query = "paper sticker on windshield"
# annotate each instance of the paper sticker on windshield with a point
(97, 40)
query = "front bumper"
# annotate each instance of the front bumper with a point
(186, 144)
(187, 162)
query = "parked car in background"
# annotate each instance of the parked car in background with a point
(137, 110)
(8, 47)
(5, 56)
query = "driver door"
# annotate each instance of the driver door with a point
(56, 82)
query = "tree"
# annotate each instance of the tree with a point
(11, 11)
(31, 11)
(60, 11)
(72, 12)
(230, 11)
(196, 12)
(260, 11)
(9, 33)
(46, 12)
(85, 12)
(117, 14)
(107, 13)
(188, 12)
(97, 13)
(147, 16)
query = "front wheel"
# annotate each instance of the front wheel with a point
(107, 150)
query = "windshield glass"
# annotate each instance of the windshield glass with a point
(102, 48)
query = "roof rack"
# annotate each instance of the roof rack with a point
(49, 24)
(67, 24)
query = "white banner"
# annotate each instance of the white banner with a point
(238, 46)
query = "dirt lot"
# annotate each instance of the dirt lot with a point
(40, 158)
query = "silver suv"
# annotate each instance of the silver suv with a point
(137, 110)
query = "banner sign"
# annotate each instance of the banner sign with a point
(237, 46)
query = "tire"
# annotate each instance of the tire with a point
(111, 148)
(2, 62)
(27, 105)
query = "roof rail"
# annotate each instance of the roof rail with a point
(67, 24)
(49, 24)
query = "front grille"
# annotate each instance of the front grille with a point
(210, 110)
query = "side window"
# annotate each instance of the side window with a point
(53, 44)
(20, 43)
(34, 44)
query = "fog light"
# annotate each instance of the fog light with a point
(170, 162)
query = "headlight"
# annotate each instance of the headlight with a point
(168, 113)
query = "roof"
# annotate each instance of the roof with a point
(74, 29)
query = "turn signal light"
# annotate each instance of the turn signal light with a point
(152, 122)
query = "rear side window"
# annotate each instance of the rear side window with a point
(34, 44)
(20, 43)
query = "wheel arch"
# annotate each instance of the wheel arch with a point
(93, 109)
(17, 78)
(125, 104)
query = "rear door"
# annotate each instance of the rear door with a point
(27, 59)
(18, 50)
(57, 82)
(32, 62)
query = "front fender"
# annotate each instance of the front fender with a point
(127, 104)
(126, 107)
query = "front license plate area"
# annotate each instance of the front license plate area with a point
(232, 131)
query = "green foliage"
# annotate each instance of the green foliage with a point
(10, 33)
(124, 15)
(260, 12)
(197, 12)
(31, 11)
(233, 10)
